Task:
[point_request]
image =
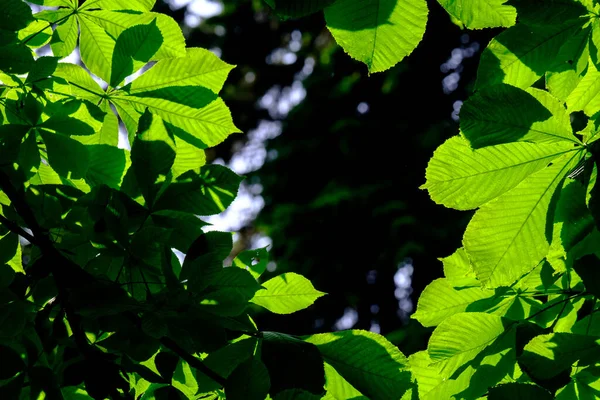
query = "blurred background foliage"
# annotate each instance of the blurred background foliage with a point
(334, 159)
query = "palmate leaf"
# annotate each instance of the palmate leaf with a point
(477, 14)
(367, 361)
(286, 294)
(380, 33)
(502, 114)
(462, 178)
(506, 237)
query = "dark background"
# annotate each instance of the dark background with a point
(341, 182)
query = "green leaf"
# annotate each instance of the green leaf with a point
(199, 67)
(152, 154)
(205, 256)
(441, 299)
(16, 14)
(572, 222)
(16, 59)
(338, 388)
(12, 363)
(56, 3)
(426, 374)
(506, 237)
(10, 252)
(81, 83)
(66, 156)
(570, 65)
(521, 391)
(36, 34)
(42, 69)
(225, 360)
(228, 290)
(286, 294)
(457, 266)
(585, 96)
(588, 268)
(460, 338)
(476, 14)
(115, 22)
(135, 46)
(204, 123)
(188, 157)
(546, 356)
(96, 47)
(207, 194)
(380, 33)
(502, 114)
(73, 117)
(107, 165)
(521, 55)
(584, 385)
(249, 381)
(462, 178)
(367, 361)
(254, 261)
(301, 368)
(139, 5)
(64, 39)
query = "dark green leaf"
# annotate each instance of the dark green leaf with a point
(16, 14)
(588, 268)
(16, 58)
(68, 157)
(43, 68)
(249, 381)
(292, 364)
(12, 363)
(519, 391)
